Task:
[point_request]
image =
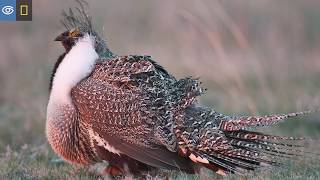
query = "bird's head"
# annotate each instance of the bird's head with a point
(69, 38)
(78, 23)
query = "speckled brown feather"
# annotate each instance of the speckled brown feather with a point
(114, 103)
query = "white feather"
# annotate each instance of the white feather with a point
(101, 142)
(75, 66)
(198, 159)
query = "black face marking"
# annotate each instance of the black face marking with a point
(67, 44)
(68, 39)
(55, 67)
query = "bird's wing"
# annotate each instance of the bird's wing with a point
(126, 68)
(155, 156)
(112, 102)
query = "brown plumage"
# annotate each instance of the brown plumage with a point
(131, 112)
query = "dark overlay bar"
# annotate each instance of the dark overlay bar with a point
(24, 10)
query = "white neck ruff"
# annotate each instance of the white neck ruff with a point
(75, 66)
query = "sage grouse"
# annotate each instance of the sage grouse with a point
(132, 113)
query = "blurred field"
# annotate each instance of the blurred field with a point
(255, 57)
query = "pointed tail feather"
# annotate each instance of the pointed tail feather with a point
(252, 135)
(271, 150)
(239, 123)
(274, 143)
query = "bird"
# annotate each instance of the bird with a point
(132, 113)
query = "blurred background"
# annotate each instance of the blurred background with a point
(254, 57)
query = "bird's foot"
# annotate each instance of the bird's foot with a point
(113, 171)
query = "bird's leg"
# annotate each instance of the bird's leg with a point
(113, 171)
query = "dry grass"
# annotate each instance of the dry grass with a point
(255, 57)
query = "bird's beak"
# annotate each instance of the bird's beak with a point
(59, 38)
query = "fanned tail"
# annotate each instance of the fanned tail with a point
(224, 145)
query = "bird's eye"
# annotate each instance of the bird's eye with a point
(74, 33)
